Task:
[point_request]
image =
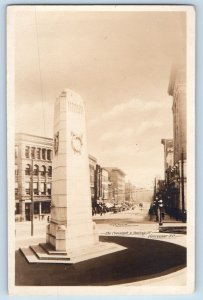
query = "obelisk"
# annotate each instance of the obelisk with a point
(71, 224)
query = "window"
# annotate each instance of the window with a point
(49, 188)
(35, 170)
(43, 171)
(38, 153)
(27, 169)
(17, 209)
(43, 154)
(33, 152)
(49, 171)
(16, 170)
(16, 151)
(43, 188)
(49, 154)
(91, 174)
(27, 151)
(27, 188)
(46, 207)
(16, 188)
(35, 188)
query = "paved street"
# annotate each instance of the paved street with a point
(133, 223)
(148, 254)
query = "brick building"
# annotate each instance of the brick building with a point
(33, 174)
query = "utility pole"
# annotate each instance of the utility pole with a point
(182, 184)
(32, 200)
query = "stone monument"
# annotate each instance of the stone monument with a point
(70, 235)
(71, 224)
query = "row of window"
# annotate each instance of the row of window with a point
(38, 188)
(41, 188)
(38, 153)
(36, 171)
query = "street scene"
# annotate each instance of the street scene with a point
(100, 167)
(149, 255)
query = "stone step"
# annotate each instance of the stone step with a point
(42, 254)
(50, 250)
(31, 257)
(36, 254)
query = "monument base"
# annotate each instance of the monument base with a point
(45, 253)
(59, 237)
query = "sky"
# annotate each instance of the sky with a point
(119, 63)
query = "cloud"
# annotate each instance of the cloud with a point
(148, 125)
(106, 136)
(136, 105)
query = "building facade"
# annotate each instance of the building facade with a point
(33, 179)
(33, 175)
(101, 185)
(130, 193)
(168, 154)
(177, 174)
(117, 182)
(177, 89)
(105, 185)
(92, 167)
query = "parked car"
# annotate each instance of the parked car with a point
(117, 208)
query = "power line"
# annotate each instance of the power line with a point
(40, 72)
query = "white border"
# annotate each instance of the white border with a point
(118, 289)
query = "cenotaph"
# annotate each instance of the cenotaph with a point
(70, 235)
(71, 224)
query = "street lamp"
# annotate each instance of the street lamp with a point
(160, 202)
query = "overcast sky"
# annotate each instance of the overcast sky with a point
(120, 65)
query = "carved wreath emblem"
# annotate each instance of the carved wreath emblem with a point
(56, 142)
(76, 142)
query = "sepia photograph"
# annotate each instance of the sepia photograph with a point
(101, 149)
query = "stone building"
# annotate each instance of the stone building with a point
(168, 154)
(117, 179)
(177, 89)
(101, 184)
(105, 185)
(33, 164)
(33, 174)
(177, 174)
(130, 192)
(92, 167)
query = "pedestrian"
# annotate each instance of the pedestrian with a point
(100, 209)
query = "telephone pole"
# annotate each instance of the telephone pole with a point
(32, 201)
(182, 184)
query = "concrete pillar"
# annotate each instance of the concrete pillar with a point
(71, 223)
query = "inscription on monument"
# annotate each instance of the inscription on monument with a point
(76, 108)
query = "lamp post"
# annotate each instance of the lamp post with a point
(160, 211)
(183, 187)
